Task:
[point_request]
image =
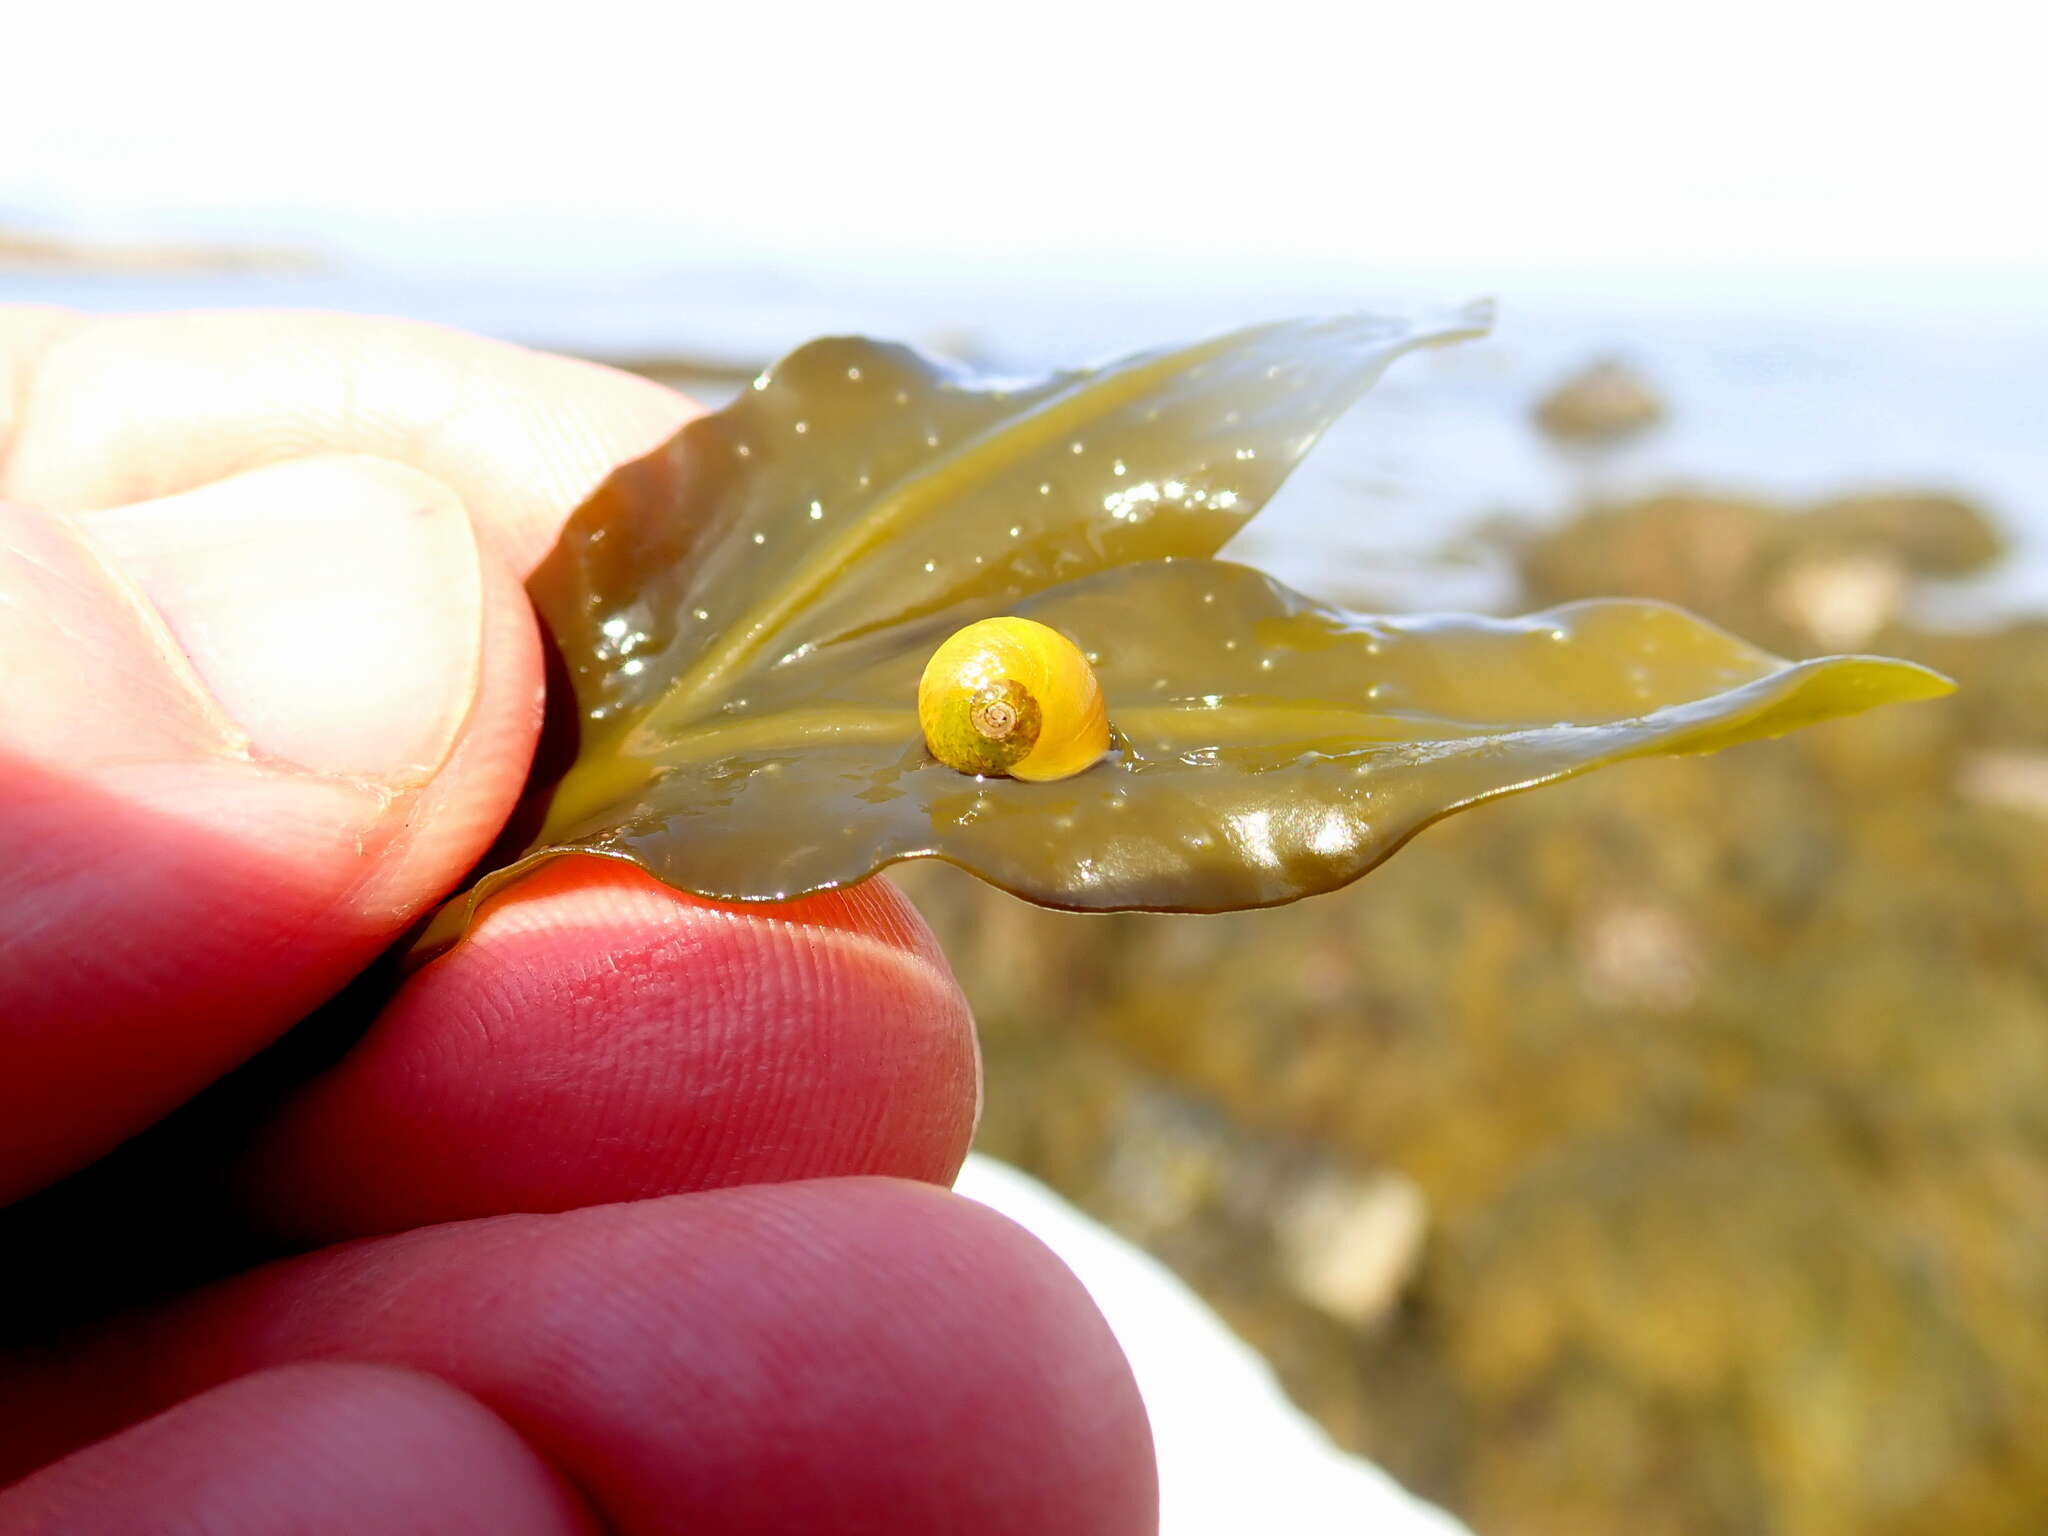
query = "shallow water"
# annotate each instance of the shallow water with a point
(1783, 395)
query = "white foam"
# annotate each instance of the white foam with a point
(1235, 1455)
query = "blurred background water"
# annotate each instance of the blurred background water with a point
(1664, 1152)
(1790, 389)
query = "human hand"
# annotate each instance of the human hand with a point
(268, 687)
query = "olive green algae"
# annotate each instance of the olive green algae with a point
(745, 614)
(1681, 1127)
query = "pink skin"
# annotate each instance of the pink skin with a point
(268, 685)
(310, 1449)
(843, 1355)
(666, 1044)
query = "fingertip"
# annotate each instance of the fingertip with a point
(177, 892)
(844, 1355)
(333, 605)
(601, 1037)
(129, 407)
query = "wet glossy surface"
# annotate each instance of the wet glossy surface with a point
(1015, 698)
(746, 614)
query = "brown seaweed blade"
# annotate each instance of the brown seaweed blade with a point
(746, 612)
(1269, 747)
(859, 485)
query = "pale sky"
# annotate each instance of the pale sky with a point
(1579, 136)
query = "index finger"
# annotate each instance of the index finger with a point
(107, 410)
(186, 876)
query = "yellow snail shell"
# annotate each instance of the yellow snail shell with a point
(1010, 696)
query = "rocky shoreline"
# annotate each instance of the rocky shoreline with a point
(1635, 1157)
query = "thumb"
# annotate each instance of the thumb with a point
(245, 734)
(331, 606)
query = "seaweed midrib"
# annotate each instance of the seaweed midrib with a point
(993, 449)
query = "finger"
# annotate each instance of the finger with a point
(26, 332)
(601, 1037)
(841, 1355)
(245, 735)
(309, 1449)
(124, 408)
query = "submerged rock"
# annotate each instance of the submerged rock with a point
(1604, 402)
(1797, 579)
(1719, 1083)
(1928, 533)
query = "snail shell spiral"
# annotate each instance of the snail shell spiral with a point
(1011, 696)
